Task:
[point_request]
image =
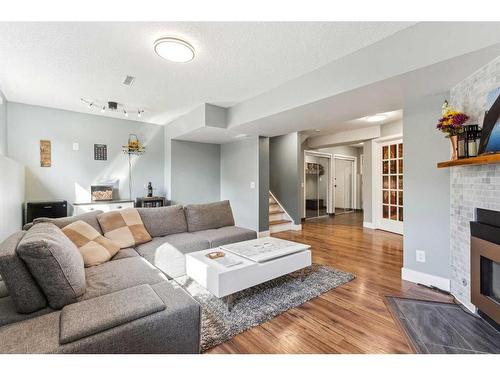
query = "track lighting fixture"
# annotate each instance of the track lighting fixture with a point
(111, 106)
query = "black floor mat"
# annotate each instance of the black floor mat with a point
(444, 328)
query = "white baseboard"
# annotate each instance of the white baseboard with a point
(367, 224)
(425, 279)
(265, 233)
(296, 226)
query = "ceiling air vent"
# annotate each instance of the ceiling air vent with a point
(129, 80)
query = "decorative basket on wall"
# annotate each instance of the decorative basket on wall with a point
(133, 147)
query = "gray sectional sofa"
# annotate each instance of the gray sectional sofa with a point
(130, 304)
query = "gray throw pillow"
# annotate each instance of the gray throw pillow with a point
(208, 216)
(25, 293)
(88, 217)
(55, 263)
(162, 221)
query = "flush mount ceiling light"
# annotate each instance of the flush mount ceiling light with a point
(175, 50)
(376, 118)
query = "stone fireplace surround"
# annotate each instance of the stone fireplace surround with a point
(474, 186)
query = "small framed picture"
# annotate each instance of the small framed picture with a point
(100, 152)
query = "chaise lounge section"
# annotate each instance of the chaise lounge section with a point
(130, 304)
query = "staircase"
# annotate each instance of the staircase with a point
(279, 220)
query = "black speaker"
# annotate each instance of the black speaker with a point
(45, 209)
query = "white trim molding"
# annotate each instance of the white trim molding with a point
(425, 279)
(367, 224)
(296, 226)
(266, 233)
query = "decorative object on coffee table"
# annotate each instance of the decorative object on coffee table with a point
(133, 147)
(451, 123)
(45, 153)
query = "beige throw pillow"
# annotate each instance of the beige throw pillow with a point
(124, 227)
(94, 248)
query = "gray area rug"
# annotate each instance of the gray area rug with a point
(256, 305)
(443, 328)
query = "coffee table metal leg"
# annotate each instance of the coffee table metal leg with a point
(229, 302)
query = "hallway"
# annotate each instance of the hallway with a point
(353, 318)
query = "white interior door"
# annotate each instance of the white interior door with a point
(339, 184)
(344, 185)
(390, 211)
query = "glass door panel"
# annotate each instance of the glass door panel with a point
(317, 179)
(312, 172)
(391, 209)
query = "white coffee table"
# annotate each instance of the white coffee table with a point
(223, 281)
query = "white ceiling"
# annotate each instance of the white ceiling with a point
(358, 123)
(55, 64)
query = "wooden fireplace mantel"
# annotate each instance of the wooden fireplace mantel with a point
(482, 159)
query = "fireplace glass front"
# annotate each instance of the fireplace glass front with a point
(490, 279)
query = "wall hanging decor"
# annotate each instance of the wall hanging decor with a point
(490, 138)
(451, 123)
(133, 148)
(45, 153)
(100, 152)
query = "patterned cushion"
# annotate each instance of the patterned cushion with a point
(95, 248)
(124, 227)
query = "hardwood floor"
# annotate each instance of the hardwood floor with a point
(352, 318)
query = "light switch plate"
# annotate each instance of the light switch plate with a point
(76, 146)
(252, 185)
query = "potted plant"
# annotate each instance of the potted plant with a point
(451, 123)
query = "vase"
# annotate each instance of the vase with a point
(454, 147)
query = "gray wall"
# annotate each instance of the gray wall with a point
(195, 172)
(391, 128)
(367, 182)
(263, 184)
(284, 160)
(3, 124)
(12, 185)
(426, 188)
(73, 172)
(239, 167)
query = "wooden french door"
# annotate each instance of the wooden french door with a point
(391, 208)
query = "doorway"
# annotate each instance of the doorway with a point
(316, 184)
(344, 184)
(389, 200)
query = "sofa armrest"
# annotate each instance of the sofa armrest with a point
(95, 315)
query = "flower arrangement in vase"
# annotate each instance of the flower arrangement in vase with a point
(451, 123)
